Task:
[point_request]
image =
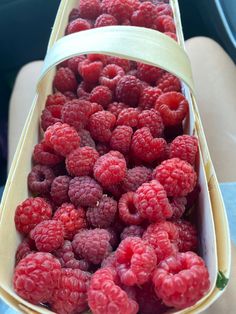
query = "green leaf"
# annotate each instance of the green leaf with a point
(221, 281)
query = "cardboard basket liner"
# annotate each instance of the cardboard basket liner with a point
(138, 44)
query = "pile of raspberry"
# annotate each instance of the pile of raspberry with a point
(113, 183)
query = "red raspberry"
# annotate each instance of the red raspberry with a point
(151, 201)
(74, 62)
(169, 83)
(135, 261)
(70, 95)
(77, 25)
(102, 148)
(74, 14)
(92, 245)
(116, 107)
(165, 23)
(59, 189)
(71, 294)
(106, 297)
(65, 80)
(163, 9)
(178, 205)
(51, 115)
(25, 248)
(149, 97)
(152, 120)
(73, 115)
(184, 147)
(128, 117)
(73, 219)
(173, 108)
(105, 20)
(101, 95)
(90, 70)
(40, 179)
(145, 147)
(110, 168)
(84, 89)
(36, 276)
(89, 9)
(80, 162)
(121, 138)
(48, 235)
(57, 99)
(62, 138)
(188, 239)
(127, 211)
(103, 214)
(177, 176)
(128, 90)
(187, 268)
(86, 139)
(101, 125)
(123, 63)
(84, 191)
(136, 177)
(122, 9)
(148, 73)
(132, 231)
(98, 57)
(145, 15)
(111, 75)
(171, 35)
(45, 155)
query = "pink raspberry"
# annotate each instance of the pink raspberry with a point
(74, 62)
(128, 90)
(136, 177)
(152, 120)
(165, 23)
(148, 73)
(89, 9)
(59, 189)
(77, 25)
(51, 115)
(111, 75)
(127, 210)
(121, 138)
(74, 115)
(149, 97)
(57, 99)
(145, 15)
(168, 83)
(45, 155)
(86, 139)
(90, 70)
(122, 9)
(116, 108)
(101, 95)
(40, 179)
(128, 117)
(105, 20)
(178, 205)
(132, 231)
(65, 80)
(101, 125)
(184, 147)
(123, 63)
(188, 240)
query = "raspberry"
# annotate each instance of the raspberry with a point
(145, 147)
(169, 83)
(80, 162)
(173, 108)
(51, 115)
(135, 261)
(148, 97)
(111, 75)
(59, 189)
(165, 23)
(74, 14)
(57, 99)
(148, 73)
(127, 210)
(92, 245)
(102, 149)
(171, 35)
(164, 9)
(74, 62)
(128, 117)
(97, 57)
(177, 176)
(86, 139)
(90, 71)
(40, 179)
(25, 248)
(128, 90)
(152, 120)
(123, 63)
(187, 240)
(178, 205)
(122, 9)
(187, 269)
(110, 168)
(145, 15)
(184, 147)
(106, 297)
(71, 294)
(136, 177)
(105, 20)
(70, 95)
(151, 202)
(132, 231)
(84, 191)
(101, 95)
(48, 235)
(109, 261)
(62, 138)
(65, 80)
(116, 108)
(114, 190)
(84, 89)
(89, 9)
(45, 155)
(103, 214)
(121, 138)
(36, 276)
(101, 125)
(77, 25)
(73, 115)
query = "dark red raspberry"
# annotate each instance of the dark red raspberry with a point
(136, 177)
(110, 168)
(45, 155)
(177, 176)
(86, 139)
(35, 283)
(184, 147)
(74, 14)
(187, 268)
(78, 25)
(48, 235)
(188, 239)
(80, 162)
(84, 89)
(151, 202)
(135, 261)
(25, 248)
(127, 211)
(128, 117)
(111, 75)
(59, 189)
(145, 147)
(152, 120)
(114, 190)
(192, 197)
(101, 95)
(73, 63)
(149, 97)
(116, 108)
(90, 70)
(163, 8)
(57, 99)
(105, 20)
(92, 245)
(178, 205)
(89, 9)
(71, 294)
(102, 148)
(171, 35)
(40, 179)
(84, 191)
(128, 90)
(109, 261)
(132, 231)
(165, 23)
(173, 108)
(103, 214)
(121, 138)
(169, 83)
(106, 297)
(123, 63)
(65, 80)
(74, 115)
(145, 15)
(101, 125)
(114, 241)
(148, 73)
(51, 115)
(62, 138)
